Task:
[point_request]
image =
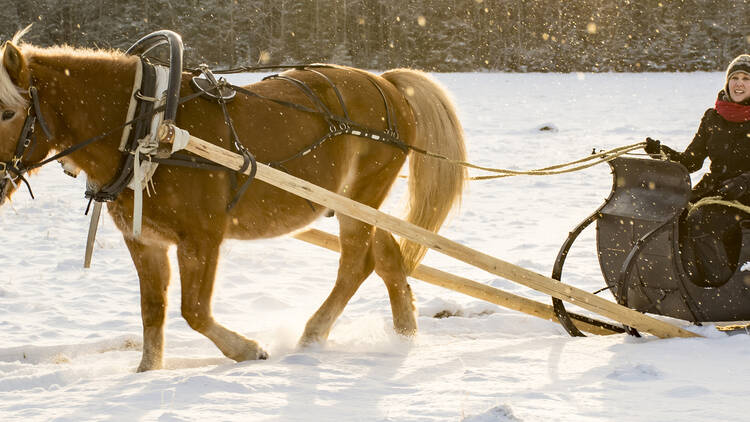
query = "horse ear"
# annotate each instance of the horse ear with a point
(13, 62)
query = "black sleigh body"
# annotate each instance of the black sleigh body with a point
(639, 248)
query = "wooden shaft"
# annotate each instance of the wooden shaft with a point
(463, 285)
(436, 242)
(93, 226)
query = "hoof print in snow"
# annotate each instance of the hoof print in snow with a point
(547, 127)
(445, 313)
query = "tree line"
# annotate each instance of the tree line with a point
(435, 35)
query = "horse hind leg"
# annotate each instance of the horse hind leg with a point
(355, 264)
(389, 266)
(363, 249)
(152, 266)
(198, 261)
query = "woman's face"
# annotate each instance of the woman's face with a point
(739, 87)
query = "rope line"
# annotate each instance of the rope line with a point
(716, 200)
(597, 158)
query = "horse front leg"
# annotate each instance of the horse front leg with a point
(152, 266)
(198, 260)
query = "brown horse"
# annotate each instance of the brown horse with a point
(83, 93)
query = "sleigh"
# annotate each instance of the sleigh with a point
(639, 248)
(296, 117)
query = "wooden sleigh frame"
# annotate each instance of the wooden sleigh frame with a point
(340, 204)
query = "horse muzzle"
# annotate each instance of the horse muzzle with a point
(4, 186)
(9, 183)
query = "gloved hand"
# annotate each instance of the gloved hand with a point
(736, 187)
(652, 146)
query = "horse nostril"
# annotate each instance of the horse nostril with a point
(8, 114)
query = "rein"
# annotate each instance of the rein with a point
(338, 125)
(595, 158)
(718, 200)
(25, 140)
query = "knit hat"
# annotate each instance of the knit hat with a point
(741, 63)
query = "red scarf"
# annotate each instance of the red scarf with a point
(733, 112)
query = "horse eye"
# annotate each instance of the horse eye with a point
(8, 114)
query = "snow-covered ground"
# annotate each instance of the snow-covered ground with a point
(70, 338)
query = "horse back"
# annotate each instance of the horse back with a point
(279, 134)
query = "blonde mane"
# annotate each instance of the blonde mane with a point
(11, 95)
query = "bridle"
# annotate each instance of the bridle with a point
(14, 169)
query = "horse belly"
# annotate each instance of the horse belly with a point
(270, 212)
(267, 211)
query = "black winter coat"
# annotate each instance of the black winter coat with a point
(725, 143)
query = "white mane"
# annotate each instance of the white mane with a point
(10, 94)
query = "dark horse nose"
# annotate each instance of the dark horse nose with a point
(3, 189)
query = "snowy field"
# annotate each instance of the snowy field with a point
(70, 338)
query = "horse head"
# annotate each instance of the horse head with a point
(14, 106)
(57, 88)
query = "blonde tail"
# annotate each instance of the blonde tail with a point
(435, 185)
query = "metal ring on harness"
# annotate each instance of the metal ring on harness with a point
(210, 88)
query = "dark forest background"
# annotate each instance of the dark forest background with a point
(437, 35)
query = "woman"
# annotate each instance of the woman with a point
(714, 231)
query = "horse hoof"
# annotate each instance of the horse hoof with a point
(407, 333)
(148, 366)
(309, 341)
(254, 353)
